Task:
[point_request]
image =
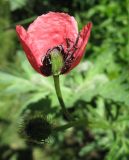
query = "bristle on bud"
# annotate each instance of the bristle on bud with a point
(35, 128)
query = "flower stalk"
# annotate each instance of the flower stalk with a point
(75, 123)
(60, 98)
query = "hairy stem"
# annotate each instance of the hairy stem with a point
(60, 98)
(76, 123)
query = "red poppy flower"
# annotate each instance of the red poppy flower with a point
(54, 32)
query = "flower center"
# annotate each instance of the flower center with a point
(57, 61)
(53, 62)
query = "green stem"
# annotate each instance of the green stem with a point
(59, 95)
(80, 122)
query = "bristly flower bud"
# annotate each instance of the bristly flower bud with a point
(35, 128)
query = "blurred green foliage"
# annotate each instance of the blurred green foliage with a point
(100, 84)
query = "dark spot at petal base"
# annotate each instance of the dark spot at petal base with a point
(46, 68)
(68, 58)
(67, 65)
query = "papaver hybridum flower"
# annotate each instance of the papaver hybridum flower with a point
(53, 44)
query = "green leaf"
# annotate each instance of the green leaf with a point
(16, 4)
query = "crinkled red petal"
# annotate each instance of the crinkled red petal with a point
(84, 36)
(24, 39)
(52, 29)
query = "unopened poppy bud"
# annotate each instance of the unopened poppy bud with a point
(35, 128)
(57, 61)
